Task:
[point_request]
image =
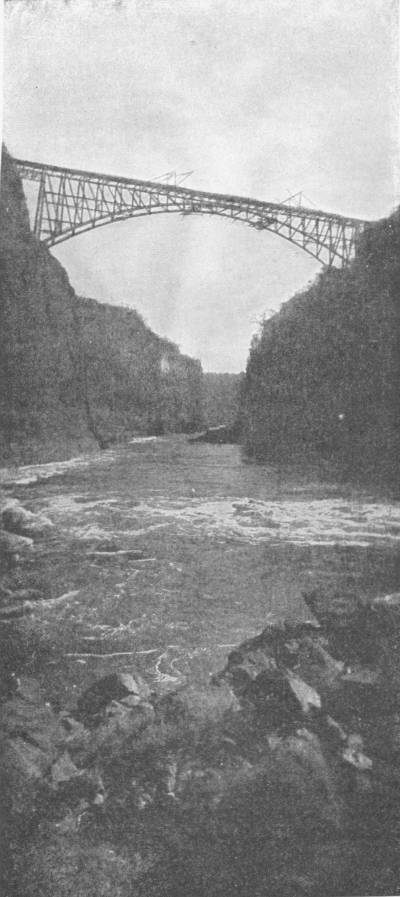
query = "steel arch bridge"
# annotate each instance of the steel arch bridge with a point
(70, 202)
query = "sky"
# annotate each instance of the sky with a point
(261, 98)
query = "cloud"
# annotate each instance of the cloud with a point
(259, 98)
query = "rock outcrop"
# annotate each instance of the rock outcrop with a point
(281, 777)
(323, 374)
(76, 374)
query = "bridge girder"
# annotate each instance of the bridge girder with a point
(70, 202)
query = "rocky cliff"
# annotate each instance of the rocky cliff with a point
(75, 373)
(323, 375)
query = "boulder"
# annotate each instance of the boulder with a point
(13, 548)
(114, 687)
(194, 707)
(31, 735)
(349, 623)
(17, 519)
(354, 754)
(118, 733)
(24, 767)
(282, 699)
(63, 770)
(308, 699)
(31, 719)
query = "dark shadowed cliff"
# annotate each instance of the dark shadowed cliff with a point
(322, 379)
(75, 373)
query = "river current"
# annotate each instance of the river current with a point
(226, 544)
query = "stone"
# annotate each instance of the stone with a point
(349, 623)
(17, 519)
(316, 664)
(334, 731)
(354, 754)
(33, 721)
(24, 767)
(253, 663)
(196, 707)
(283, 698)
(110, 688)
(119, 732)
(63, 770)
(14, 548)
(307, 697)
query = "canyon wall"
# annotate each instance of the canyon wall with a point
(76, 373)
(322, 379)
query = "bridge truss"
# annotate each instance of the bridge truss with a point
(70, 202)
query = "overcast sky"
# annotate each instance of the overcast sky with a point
(260, 97)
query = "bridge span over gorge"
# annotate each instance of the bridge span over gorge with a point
(70, 202)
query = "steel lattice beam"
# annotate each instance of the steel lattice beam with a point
(71, 202)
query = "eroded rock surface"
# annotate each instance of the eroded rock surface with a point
(282, 777)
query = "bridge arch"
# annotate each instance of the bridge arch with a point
(71, 202)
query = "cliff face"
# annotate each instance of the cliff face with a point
(323, 375)
(134, 381)
(76, 373)
(40, 398)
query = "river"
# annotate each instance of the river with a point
(226, 544)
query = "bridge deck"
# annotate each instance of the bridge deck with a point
(71, 201)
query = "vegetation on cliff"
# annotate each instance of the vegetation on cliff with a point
(323, 374)
(75, 372)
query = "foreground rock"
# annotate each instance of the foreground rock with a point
(17, 519)
(13, 549)
(115, 687)
(282, 777)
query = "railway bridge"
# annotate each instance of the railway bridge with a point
(70, 202)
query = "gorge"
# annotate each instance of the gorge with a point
(198, 643)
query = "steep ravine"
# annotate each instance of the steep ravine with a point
(76, 373)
